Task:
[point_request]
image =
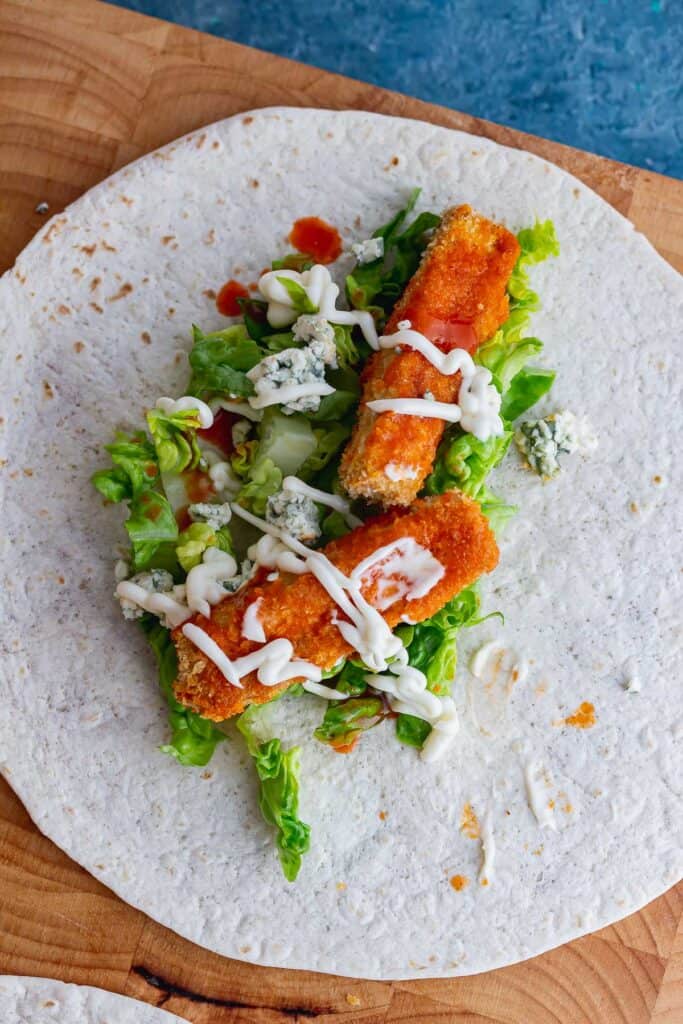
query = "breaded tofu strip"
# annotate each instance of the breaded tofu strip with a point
(457, 299)
(298, 608)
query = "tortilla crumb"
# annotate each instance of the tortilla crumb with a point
(459, 882)
(634, 508)
(469, 823)
(127, 200)
(583, 717)
(352, 1000)
(167, 238)
(27, 472)
(383, 815)
(210, 237)
(79, 346)
(210, 293)
(64, 310)
(146, 337)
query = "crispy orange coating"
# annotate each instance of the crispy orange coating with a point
(457, 299)
(450, 525)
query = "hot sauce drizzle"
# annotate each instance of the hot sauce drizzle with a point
(316, 238)
(226, 300)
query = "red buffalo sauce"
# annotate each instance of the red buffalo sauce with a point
(219, 433)
(316, 238)
(198, 485)
(226, 300)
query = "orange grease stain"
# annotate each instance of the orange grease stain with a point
(198, 485)
(316, 238)
(583, 717)
(469, 823)
(226, 300)
(383, 815)
(459, 882)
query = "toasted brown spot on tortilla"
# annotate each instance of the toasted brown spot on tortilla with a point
(146, 337)
(210, 237)
(124, 290)
(108, 247)
(95, 283)
(253, 286)
(167, 238)
(19, 357)
(210, 293)
(77, 272)
(459, 882)
(21, 278)
(583, 717)
(201, 140)
(54, 229)
(207, 775)
(79, 346)
(89, 250)
(656, 479)
(254, 183)
(127, 200)
(27, 472)
(215, 144)
(98, 309)
(64, 310)
(576, 193)
(247, 120)
(171, 311)
(178, 358)
(48, 391)
(469, 823)
(634, 507)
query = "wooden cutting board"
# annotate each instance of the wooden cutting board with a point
(84, 89)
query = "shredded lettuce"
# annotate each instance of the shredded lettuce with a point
(377, 285)
(298, 261)
(220, 361)
(412, 731)
(329, 437)
(193, 738)
(524, 390)
(193, 542)
(278, 772)
(175, 439)
(284, 445)
(464, 462)
(344, 721)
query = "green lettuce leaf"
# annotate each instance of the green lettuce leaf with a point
(525, 389)
(298, 296)
(344, 721)
(278, 773)
(412, 731)
(255, 319)
(329, 438)
(284, 445)
(298, 261)
(496, 510)
(150, 523)
(220, 361)
(193, 542)
(135, 469)
(377, 285)
(464, 462)
(193, 738)
(175, 439)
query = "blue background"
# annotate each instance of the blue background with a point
(604, 75)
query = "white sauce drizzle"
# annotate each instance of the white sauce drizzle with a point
(210, 648)
(492, 661)
(400, 471)
(271, 553)
(204, 583)
(326, 692)
(335, 501)
(185, 404)
(537, 784)
(444, 729)
(173, 611)
(281, 395)
(478, 406)
(404, 569)
(322, 292)
(252, 628)
(273, 663)
(241, 408)
(488, 850)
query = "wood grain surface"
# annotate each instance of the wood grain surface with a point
(84, 89)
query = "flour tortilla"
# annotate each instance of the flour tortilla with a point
(45, 1001)
(589, 579)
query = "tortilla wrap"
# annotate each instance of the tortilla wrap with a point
(96, 320)
(46, 1001)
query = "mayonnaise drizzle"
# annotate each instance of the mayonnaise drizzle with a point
(204, 583)
(326, 692)
(537, 784)
(322, 292)
(185, 404)
(252, 628)
(210, 648)
(280, 395)
(403, 568)
(273, 663)
(478, 406)
(174, 612)
(488, 850)
(335, 501)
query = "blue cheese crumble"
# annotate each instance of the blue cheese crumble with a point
(216, 516)
(294, 378)
(313, 327)
(541, 442)
(154, 581)
(369, 250)
(296, 514)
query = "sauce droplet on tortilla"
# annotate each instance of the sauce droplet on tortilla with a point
(316, 238)
(226, 300)
(469, 823)
(219, 433)
(583, 717)
(459, 882)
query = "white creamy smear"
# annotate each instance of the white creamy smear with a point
(538, 784)
(335, 501)
(401, 569)
(273, 663)
(252, 628)
(400, 471)
(322, 293)
(166, 607)
(185, 404)
(488, 850)
(478, 407)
